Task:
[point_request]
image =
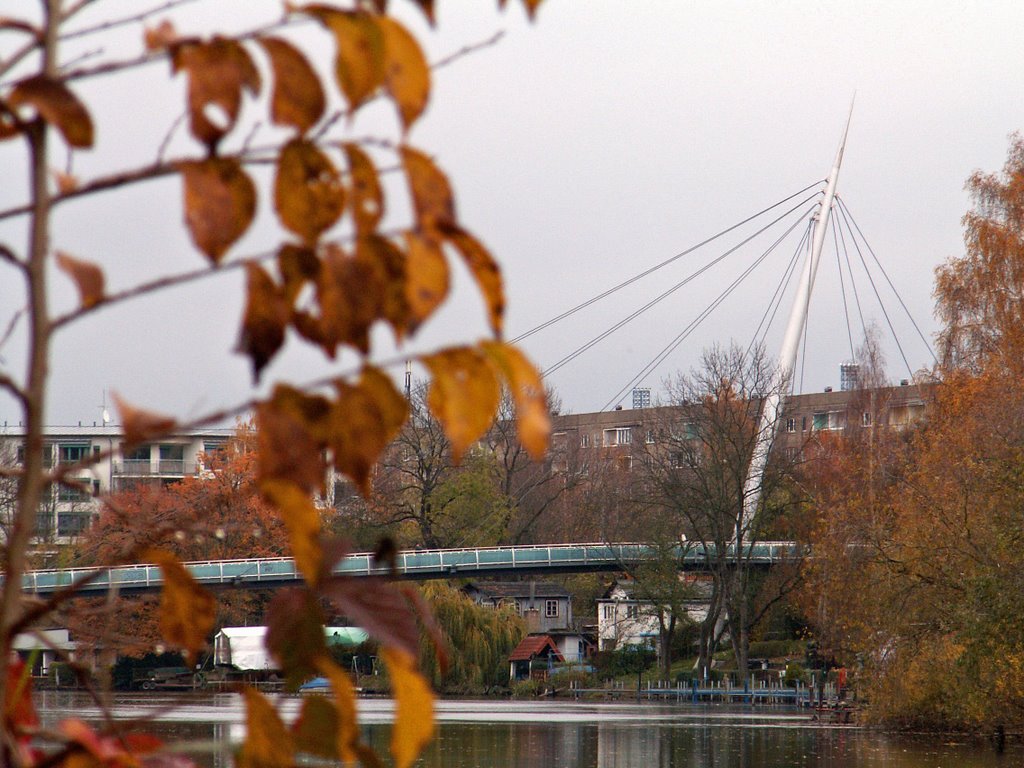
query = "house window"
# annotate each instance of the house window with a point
(71, 454)
(519, 607)
(803, 423)
(618, 436)
(820, 421)
(632, 611)
(74, 492)
(791, 425)
(585, 440)
(865, 419)
(609, 611)
(625, 463)
(649, 437)
(550, 608)
(72, 523)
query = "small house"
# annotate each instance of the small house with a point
(533, 657)
(543, 605)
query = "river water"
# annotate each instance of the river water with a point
(563, 734)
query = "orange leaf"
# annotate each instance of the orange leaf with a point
(367, 199)
(389, 263)
(350, 294)
(302, 520)
(414, 707)
(268, 744)
(298, 98)
(463, 396)
(57, 105)
(66, 183)
(20, 717)
(427, 6)
(217, 72)
(359, 63)
(140, 426)
(297, 266)
(485, 270)
(308, 193)
(532, 418)
(426, 279)
(266, 316)
(160, 37)
(187, 611)
(531, 8)
(292, 434)
(347, 733)
(316, 729)
(87, 276)
(220, 203)
(432, 197)
(407, 74)
(366, 417)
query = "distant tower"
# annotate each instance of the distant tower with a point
(849, 377)
(642, 398)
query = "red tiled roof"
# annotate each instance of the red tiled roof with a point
(533, 646)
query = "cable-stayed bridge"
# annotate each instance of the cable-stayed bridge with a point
(481, 562)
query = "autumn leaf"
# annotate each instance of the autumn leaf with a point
(220, 203)
(463, 395)
(427, 6)
(87, 276)
(426, 277)
(379, 607)
(364, 419)
(308, 193)
(187, 611)
(316, 730)
(389, 263)
(346, 735)
(350, 293)
(295, 634)
(66, 182)
(20, 717)
(407, 75)
(485, 271)
(57, 105)
(359, 62)
(298, 266)
(367, 198)
(265, 319)
(217, 70)
(160, 37)
(302, 521)
(140, 426)
(268, 744)
(292, 435)
(298, 99)
(432, 197)
(414, 706)
(524, 382)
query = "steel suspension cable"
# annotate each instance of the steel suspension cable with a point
(842, 284)
(853, 284)
(656, 267)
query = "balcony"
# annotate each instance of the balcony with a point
(159, 468)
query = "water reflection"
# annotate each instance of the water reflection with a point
(557, 734)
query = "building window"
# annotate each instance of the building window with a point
(609, 612)
(584, 440)
(618, 436)
(865, 419)
(649, 437)
(803, 423)
(550, 609)
(72, 454)
(820, 421)
(791, 425)
(75, 492)
(72, 523)
(632, 611)
(519, 607)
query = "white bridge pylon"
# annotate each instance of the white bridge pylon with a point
(772, 405)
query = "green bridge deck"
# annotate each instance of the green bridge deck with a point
(263, 573)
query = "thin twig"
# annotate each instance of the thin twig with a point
(11, 326)
(6, 382)
(170, 134)
(82, 57)
(6, 254)
(125, 21)
(468, 49)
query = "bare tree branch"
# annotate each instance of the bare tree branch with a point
(124, 21)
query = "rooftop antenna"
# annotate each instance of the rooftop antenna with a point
(104, 413)
(771, 407)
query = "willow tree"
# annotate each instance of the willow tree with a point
(330, 272)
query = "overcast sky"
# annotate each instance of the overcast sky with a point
(584, 148)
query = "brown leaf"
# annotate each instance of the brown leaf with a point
(485, 270)
(57, 105)
(532, 418)
(292, 433)
(267, 312)
(316, 730)
(432, 197)
(140, 426)
(298, 265)
(407, 74)
(350, 295)
(426, 278)
(390, 264)
(87, 276)
(217, 72)
(414, 707)
(66, 182)
(187, 611)
(308, 193)
(295, 634)
(364, 419)
(377, 606)
(268, 744)
(160, 37)
(298, 99)
(531, 7)
(427, 6)
(367, 199)
(302, 521)
(359, 63)
(220, 203)
(463, 395)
